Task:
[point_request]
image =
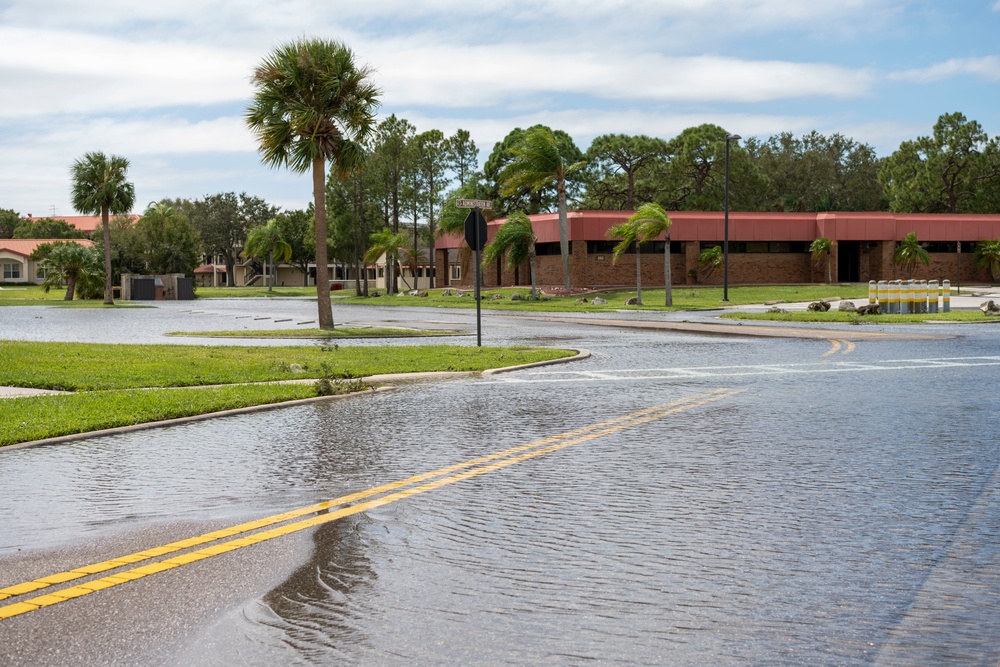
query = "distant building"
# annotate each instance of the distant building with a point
(16, 263)
(764, 248)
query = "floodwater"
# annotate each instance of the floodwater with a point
(841, 509)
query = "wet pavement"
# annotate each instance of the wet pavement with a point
(841, 506)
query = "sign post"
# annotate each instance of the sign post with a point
(475, 236)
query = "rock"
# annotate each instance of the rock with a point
(496, 297)
(400, 293)
(422, 292)
(847, 307)
(818, 306)
(773, 303)
(869, 309)
(296, 368)
(459, 292)
(777, 311)
(598, 301)
(516, 296)
(634, 301)
(375, 293)
(582, 299)
(447, 292)
(413, 292)
(989, 308)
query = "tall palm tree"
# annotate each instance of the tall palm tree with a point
(909, 252)
(517, 239)
(821, 249)
(267, 241)
(100, 188)
(651, 221)
(628, 232)
(537, 162)
(313, 103)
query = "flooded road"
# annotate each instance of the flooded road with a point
(800, 502)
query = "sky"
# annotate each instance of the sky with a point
(166, 84)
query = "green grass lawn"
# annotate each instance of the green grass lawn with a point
(339, 332)
(685, 298)
(112, 379)
(852, 318)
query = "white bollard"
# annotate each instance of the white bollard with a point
(872, 292)
(905, 298)
(894, 297)
(946, 296)
(883, 296)
(932, 296)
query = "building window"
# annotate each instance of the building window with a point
(456, 272)
(547, 249)
(40, 273)
(11, 271)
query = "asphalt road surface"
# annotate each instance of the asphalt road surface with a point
(677, 498)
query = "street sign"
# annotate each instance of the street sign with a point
(484, 204)
(475, 230)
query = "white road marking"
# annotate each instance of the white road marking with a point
(626, 374)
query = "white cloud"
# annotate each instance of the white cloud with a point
(987, 67)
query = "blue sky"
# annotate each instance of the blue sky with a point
(165, 84)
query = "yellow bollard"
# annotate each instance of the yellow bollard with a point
(932, 296)
(946, 296)
(872, 292)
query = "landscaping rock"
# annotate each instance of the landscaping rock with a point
(633, 301)
(447, 292)
(818, 306)
(847, 307)
(421, 293)
(869, 309)
(582, 299)
(459, 292)
(598, 301)
(774, 310)
(516, 296)
(375, 293)
(989, 308)
(496, 297)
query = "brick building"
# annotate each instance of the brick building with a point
(764, 248)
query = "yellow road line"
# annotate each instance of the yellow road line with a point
(514, 455)
(837, 345)
(120, 561)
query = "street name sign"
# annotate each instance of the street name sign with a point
(484, 204)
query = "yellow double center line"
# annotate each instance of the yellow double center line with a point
(324, 512)
(836, 345)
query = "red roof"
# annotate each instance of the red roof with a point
(85, 223)
(743, 226)
(209, 268)
(25, 247)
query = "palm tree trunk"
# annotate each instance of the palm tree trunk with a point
(564, 233)
(667, 278)
(70, 288)
(270, 261)
(531, 271)
(109, 296)
(638, 275)
(322, 268)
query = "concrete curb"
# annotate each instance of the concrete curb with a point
(580, 354)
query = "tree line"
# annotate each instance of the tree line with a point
(385, 188)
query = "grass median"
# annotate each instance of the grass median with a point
(120, 385)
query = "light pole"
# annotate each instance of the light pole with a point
(725, 242)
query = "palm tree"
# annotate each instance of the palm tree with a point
(392, 245)
(821, 249)
(100, 188)
(651, 221)
(72, 264)
(628, 232)
(266, 241)
(709, 260)
(909, 252)
(516, 238)
(537, 162)
(313, 103)
(988, 257)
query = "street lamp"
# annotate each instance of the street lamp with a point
(725, 242)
